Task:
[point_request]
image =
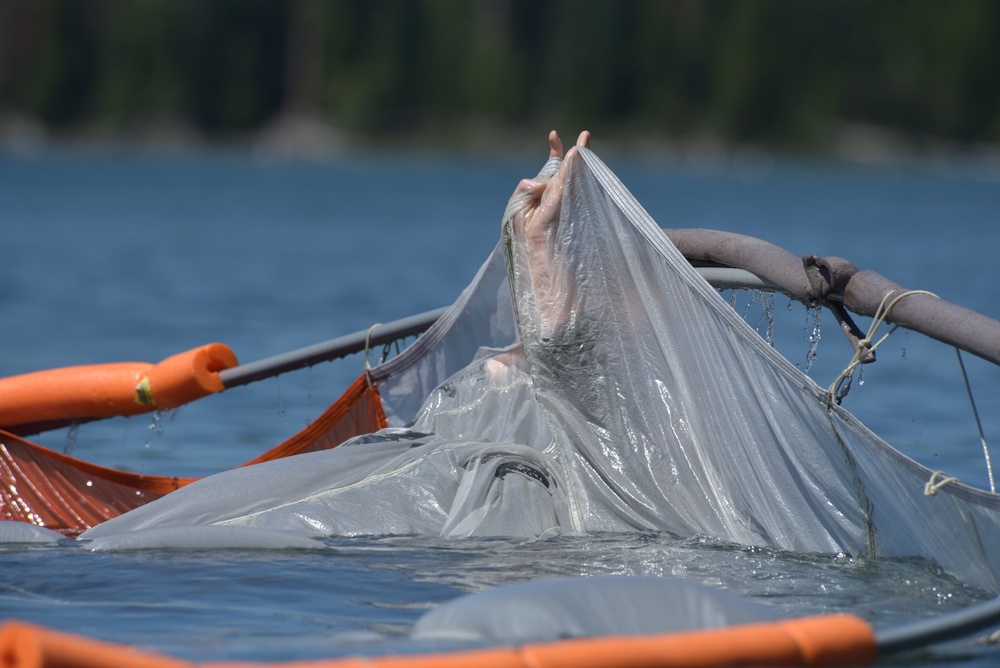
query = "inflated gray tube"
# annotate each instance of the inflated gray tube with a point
(772, 263)
(831, 280)
(927, 314)
(581, 607)
(954, 625)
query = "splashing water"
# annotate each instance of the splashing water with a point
(816, 314)
(156, 423)
(764, 301)
(767, 305)
(155, 426)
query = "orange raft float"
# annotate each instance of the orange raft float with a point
(34, 401)
(828, 640)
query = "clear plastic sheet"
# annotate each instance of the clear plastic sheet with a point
(545, 610)
(589, 380)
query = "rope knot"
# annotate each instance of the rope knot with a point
(934, 484)
(842, 384)
(368, 347)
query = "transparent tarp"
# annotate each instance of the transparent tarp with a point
(589, 380)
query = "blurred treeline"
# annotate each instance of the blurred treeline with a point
(777, 73)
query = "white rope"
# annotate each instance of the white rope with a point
(979, 424)
(933, 485)
(368, 347)
(842, 384)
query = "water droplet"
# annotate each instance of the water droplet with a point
(71, 437)
(816, 313)
(765, 302)
(156, 423)
(309, 388)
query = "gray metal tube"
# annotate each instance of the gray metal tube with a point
(951, 626)
(329, 350)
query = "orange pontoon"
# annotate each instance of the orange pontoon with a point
(831, 640)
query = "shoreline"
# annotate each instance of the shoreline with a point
(301, 138)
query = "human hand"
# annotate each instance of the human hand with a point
(533, 216)
(534, 207)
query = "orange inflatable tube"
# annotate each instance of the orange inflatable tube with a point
(28, 646)
(107, 390)
(828, 640)
(189, 375)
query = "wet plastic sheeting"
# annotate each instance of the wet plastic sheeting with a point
(645, 403)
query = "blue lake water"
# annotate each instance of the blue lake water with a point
(118, 256)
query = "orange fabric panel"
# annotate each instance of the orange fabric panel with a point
(47, 488)
(828, 640)
(358, 411)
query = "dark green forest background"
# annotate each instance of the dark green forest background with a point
(779, 74)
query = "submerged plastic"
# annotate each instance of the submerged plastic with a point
(589, 380)
(582, 607)
(204, 537)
